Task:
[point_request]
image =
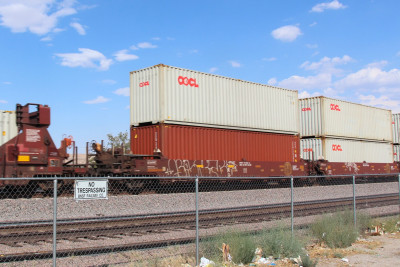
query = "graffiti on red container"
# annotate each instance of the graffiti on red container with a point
(213, 168)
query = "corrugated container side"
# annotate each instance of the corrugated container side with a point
(202, 143)
(326, 117)
(396, 152)
(179, 96)
(8, 126)
(345, 150)
(396, 128)
(311, 149)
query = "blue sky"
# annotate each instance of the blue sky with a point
(75, 56)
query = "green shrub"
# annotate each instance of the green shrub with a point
(279, 243)
(242, 246)
(306, 261)
(337, 230)
(391, 225)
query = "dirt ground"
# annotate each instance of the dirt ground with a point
(379, 251)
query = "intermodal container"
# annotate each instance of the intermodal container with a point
(8, 126)
(204, 143)
(396, 152)
(326, 117)
(396, 128)
(165, 94)
(346, 150)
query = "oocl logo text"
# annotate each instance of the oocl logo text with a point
(187, 81)
(306, 109)
(144, 84)
(335, 107)
(307, 150)
(336, 148)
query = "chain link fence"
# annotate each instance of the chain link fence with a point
(151, 221)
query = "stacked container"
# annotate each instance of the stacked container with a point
(192, 115)
(396, 136)
(340, 131)
(8, 126)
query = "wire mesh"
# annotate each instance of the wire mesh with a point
(152, 220)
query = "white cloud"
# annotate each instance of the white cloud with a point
(312, 46)
(371, 85)
(57, 30)
(272, 81)
(98, 100)
(313, 24)
(194, 51)
(37, 16)
(327, 65)
(213, 69)
(87, 58)
(109, 82)
(378, 65)
(335, 4)
(7, 83)
(123, 55)
(133, 47)
(306, 94)
(398, 54)
(382, 101)
(78, 27)
(156, 38)
(295, 82)
(122, 91)
(145, 45)
(235, 64)
(46, 39)
(287, 33)
(269, 59)
(3, 101)
(371, 78)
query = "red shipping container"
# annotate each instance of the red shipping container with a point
(201, 143)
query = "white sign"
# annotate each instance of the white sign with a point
(91, 189)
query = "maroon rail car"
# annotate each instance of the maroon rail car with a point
(32, 153)
(207, 151)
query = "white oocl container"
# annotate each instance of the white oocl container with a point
(8, 126)
(173, 95)
(396, 128)
(326, 117)
(346, 150)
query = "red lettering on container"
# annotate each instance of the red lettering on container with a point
(307, 150)
(306, 109)
(187, 81)
(147, 83)
(336, 148)
(335, 107)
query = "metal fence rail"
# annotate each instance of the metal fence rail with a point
(149, 219)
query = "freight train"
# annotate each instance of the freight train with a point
(217, 127)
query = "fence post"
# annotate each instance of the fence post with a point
(55, 223)
(291, 204)
(354, 201)
(197, 220)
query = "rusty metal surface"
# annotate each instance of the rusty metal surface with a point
(196, 143)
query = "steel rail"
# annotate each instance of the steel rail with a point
(93, 228)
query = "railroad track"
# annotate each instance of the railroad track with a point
(19, 233)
